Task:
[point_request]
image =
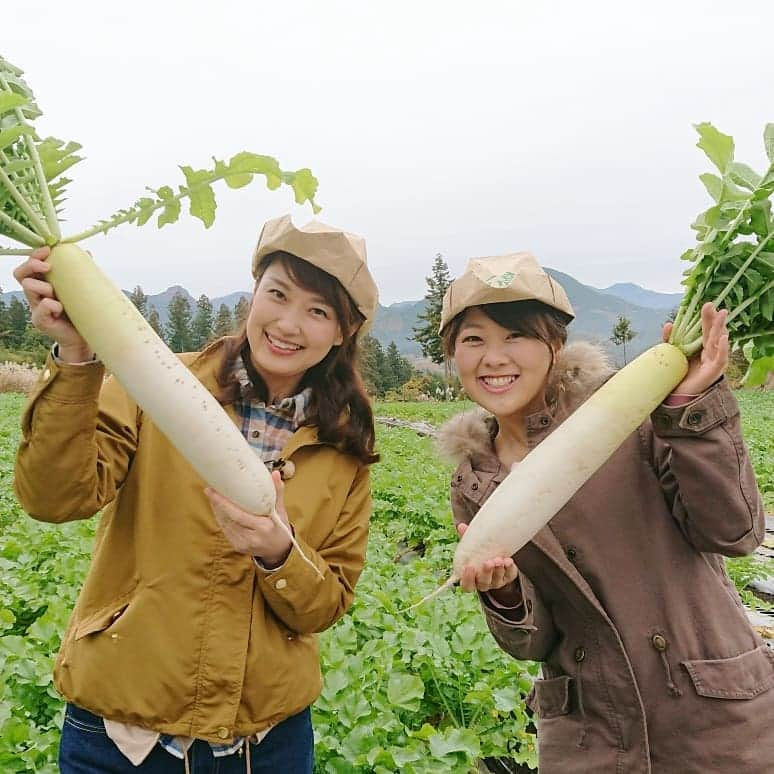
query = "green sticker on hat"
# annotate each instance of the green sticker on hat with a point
(499, 280)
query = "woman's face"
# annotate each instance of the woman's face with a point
(289, 329)
(501, 371)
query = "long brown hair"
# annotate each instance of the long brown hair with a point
(339, 405)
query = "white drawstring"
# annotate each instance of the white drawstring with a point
(185, 761)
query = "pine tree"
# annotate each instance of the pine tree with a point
(241, 309)
(224, 322)
(155, 322)
(4, 325)
(398, 369)
(18, 319)
(426, 332)
(178, 326)
(140, 300)
(373, 366)
(622, 333)
(201, 329)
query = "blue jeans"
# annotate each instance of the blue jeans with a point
(85, 748)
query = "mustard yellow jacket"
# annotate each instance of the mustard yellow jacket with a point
(173, 629)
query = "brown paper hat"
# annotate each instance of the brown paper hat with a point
(337, 252)
(501, 278)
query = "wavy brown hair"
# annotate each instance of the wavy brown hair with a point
(339, 406)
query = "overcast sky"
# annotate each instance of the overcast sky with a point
(465, 128)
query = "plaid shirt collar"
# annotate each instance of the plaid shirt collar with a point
(268, 428)
(294, 407)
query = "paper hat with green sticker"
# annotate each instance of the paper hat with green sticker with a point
(501, 278)
(339, 253)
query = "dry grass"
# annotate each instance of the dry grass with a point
(18, 377)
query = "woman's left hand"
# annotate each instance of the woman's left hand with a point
(251, 534)
(709, 364)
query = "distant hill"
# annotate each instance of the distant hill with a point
(395, 323)
(597, 311)
(596, 314)
(650, 299)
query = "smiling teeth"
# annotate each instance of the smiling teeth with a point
(282, 344)
(499, 381)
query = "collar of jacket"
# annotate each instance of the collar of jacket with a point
(204, 366)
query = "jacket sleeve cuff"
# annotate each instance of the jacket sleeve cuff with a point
(288, 588)
(712, 408)
(513, 614)
(519, 617)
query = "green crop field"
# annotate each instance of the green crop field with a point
(424, 691)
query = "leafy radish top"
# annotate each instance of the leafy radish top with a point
(32, 182)
(734, 258)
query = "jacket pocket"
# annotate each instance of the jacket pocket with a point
(550, 698)
(739, 677)
(101, 619)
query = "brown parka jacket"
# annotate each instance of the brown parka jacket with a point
(649, 662)
(174, 630)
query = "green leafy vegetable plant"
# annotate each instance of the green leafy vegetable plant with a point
(733, 262)
(33, 185)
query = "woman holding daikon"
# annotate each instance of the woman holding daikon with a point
(649, 662)
(193, 640)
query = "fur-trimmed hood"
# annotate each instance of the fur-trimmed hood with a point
(580, 368)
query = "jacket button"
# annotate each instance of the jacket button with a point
(256, 433)
(580, 654)
(459, 478)
(545, 421)
(659, 642)
(572, 553)
(474, 486)
(223, 733)
(280, 584)
(695, 417)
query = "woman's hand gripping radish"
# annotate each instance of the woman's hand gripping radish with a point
(496, 576)
(709, 364)
(255, 535)
(46, 311)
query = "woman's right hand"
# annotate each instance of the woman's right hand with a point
(47, 313)
(496, 576)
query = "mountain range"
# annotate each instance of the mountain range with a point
(596, 313)
(597, 310)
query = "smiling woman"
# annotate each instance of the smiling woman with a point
(504, 353)
(169, 582)
(291, 327)
(648, 657)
